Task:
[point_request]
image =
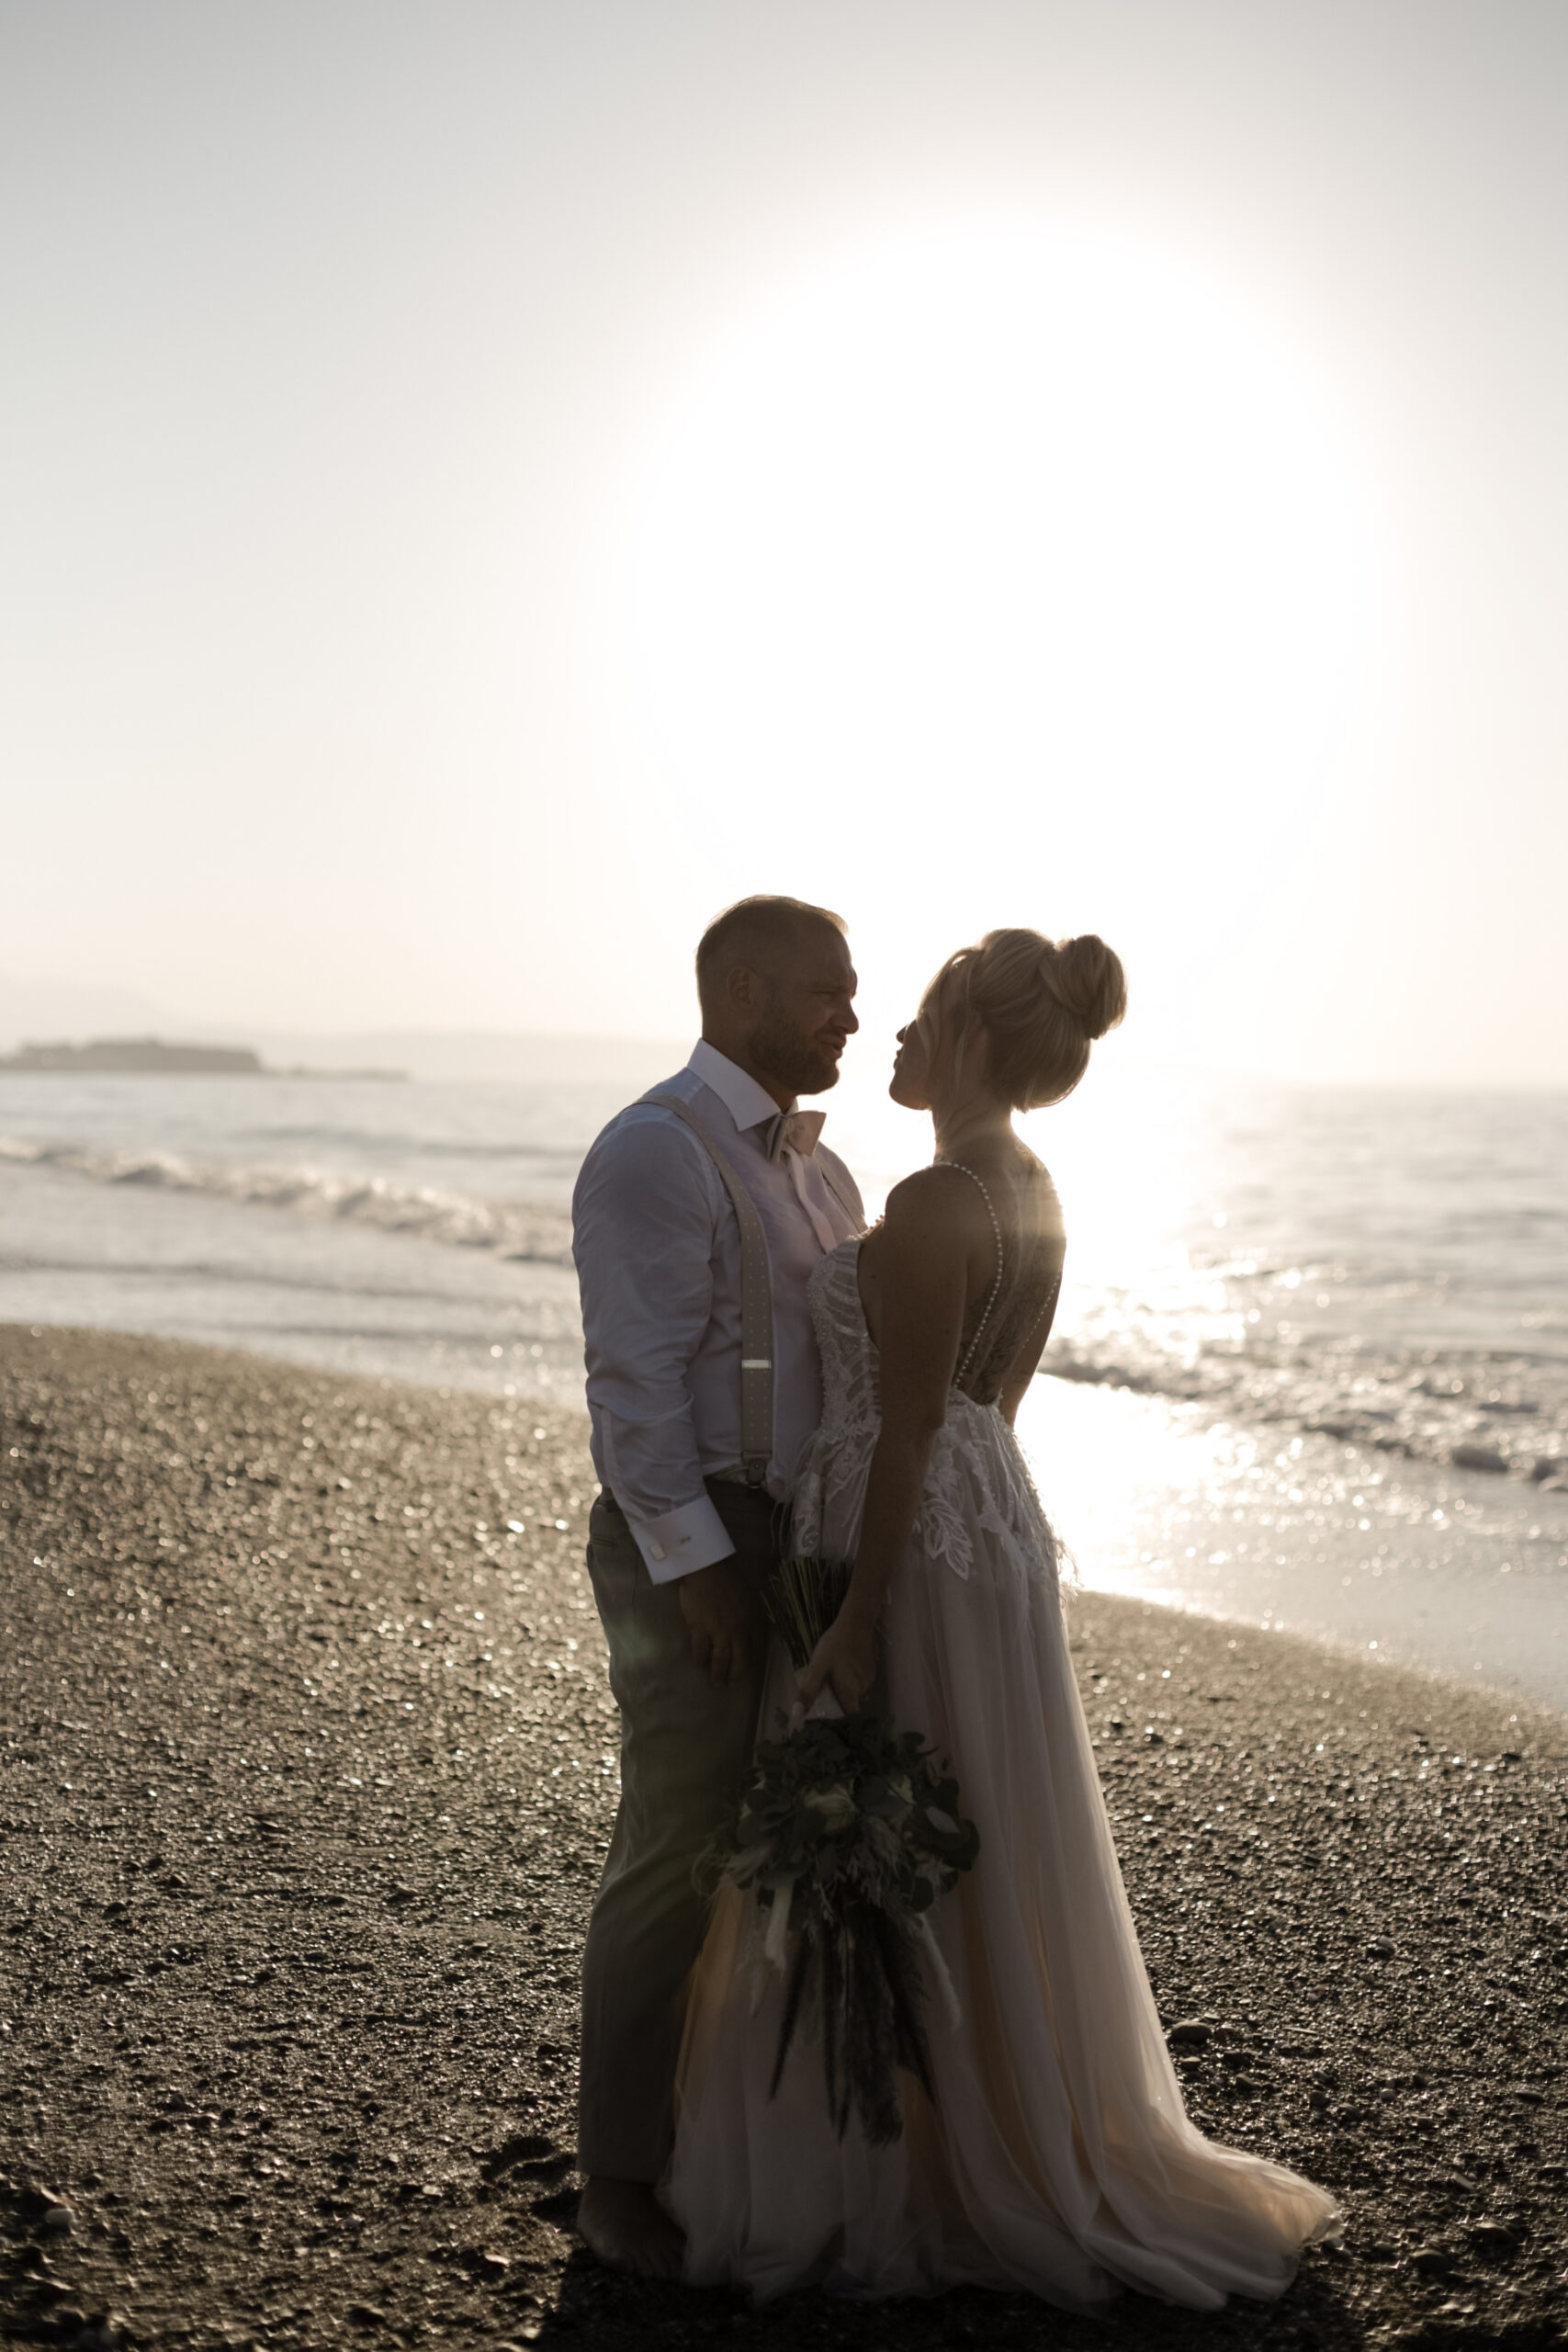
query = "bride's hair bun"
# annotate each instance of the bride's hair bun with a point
(1041, 1003)
(1086, 976)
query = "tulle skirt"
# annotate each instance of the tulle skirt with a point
(1057, 2156)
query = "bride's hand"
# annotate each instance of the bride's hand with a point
(843, 1660)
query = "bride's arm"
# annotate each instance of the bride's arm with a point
(925, 1249)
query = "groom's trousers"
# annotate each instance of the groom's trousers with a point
(685, 1752)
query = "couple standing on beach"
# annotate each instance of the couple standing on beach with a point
(1055, 2154)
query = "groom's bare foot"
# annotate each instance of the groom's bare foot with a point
(624, 2223)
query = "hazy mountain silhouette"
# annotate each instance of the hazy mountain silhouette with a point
(36, 1010)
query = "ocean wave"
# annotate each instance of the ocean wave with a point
(1475, 1408)
(526, 1231)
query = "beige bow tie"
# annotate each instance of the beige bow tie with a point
(797, 1129)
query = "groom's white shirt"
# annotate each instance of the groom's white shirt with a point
(658, 1254)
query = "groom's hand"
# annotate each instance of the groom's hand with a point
(716, 1602)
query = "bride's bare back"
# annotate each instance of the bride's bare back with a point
(997, 1226)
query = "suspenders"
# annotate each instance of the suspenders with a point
(756, 1297)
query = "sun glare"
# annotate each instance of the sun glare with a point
(995, 528)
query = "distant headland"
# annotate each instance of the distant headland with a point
(152, 1057)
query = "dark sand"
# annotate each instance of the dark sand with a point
(307, 1768)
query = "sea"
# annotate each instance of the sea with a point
(1310, 1368)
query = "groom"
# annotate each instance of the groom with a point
(685, 1524)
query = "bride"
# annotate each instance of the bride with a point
(1056, 2156)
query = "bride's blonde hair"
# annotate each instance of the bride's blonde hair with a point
(1040, 1002)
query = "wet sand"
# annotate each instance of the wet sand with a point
(308, 1767)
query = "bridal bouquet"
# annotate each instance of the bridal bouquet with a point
(849, 1832)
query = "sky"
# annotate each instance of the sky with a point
(481, 486)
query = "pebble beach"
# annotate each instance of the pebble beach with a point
(307, 1769)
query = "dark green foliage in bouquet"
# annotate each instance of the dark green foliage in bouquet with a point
(849, 1832)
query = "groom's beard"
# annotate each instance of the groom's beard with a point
(799, 1063)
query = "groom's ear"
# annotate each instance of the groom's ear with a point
(742, 987)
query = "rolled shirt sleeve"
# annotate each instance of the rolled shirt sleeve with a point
(645, 1216)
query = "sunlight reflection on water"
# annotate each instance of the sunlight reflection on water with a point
(1404, 1560)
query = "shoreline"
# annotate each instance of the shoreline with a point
(1441, 1568)
(309, 1774)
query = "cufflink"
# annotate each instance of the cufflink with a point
(657, 1549)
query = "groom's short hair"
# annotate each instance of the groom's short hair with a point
(754, 930)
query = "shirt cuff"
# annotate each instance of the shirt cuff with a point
(680, 1542)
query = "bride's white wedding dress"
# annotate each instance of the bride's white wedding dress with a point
(1057, 2156)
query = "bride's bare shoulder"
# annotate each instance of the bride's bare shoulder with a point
(937, 1200)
